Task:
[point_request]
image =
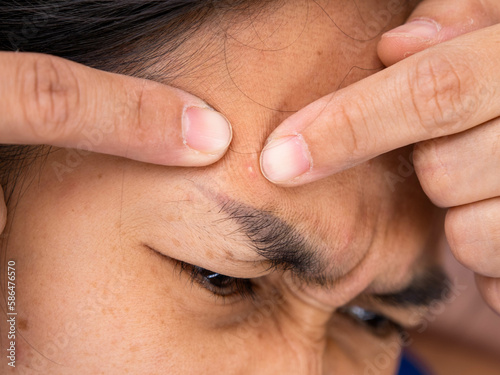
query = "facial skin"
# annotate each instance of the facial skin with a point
(99, 287)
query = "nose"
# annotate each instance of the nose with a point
(305, 322)
(309, 312)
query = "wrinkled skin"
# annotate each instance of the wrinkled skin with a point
(96, 243)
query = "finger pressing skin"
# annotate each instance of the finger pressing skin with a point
(461, 168)
(49, 100)
(473, 232)
(433, 22)
(489, 288)
(444, 90)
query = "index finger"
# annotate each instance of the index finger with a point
(444, 90)
(50, 100)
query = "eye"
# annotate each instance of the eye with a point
(379, 324)
(218, 284)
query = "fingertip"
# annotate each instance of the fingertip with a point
(284, 160)
(408, 39)
(206, 130)
(186, 132)
(432, 23)
(392, 50)
(424, 29)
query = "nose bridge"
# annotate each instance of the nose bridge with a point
(304, 328)
(306, 333)
(308, 354)
(307, 316)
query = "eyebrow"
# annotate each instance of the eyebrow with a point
(286, 249)
(429, 286)
(278, 242)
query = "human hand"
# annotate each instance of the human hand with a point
(444, 99)
(49, 100)
(470, 219)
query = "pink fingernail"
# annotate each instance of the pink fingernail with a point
(422, 28)
(284, 159)
(206, 130)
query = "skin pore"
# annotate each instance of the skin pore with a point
(108, 250)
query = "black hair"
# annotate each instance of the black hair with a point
(115, 35)
(122, 36)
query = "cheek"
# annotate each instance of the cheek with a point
(69, 286)
(94, 301)
(86, 297)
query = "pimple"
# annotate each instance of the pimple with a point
(250, 169)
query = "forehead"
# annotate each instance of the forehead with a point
(258, 69)
(269, 63)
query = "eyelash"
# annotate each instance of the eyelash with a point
(378, 324)
(218, 284)
(223, 286)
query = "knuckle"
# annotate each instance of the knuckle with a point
(434, 175)
(473, 239)
(353, 139)
(494, 298)
(460, 238)
(439, 93)
(137, 118)
(138, 108)
(50, 96)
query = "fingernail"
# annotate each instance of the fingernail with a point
(284, 159)
(205, 130)
(422, 28)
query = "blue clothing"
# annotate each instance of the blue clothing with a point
(409, 366)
